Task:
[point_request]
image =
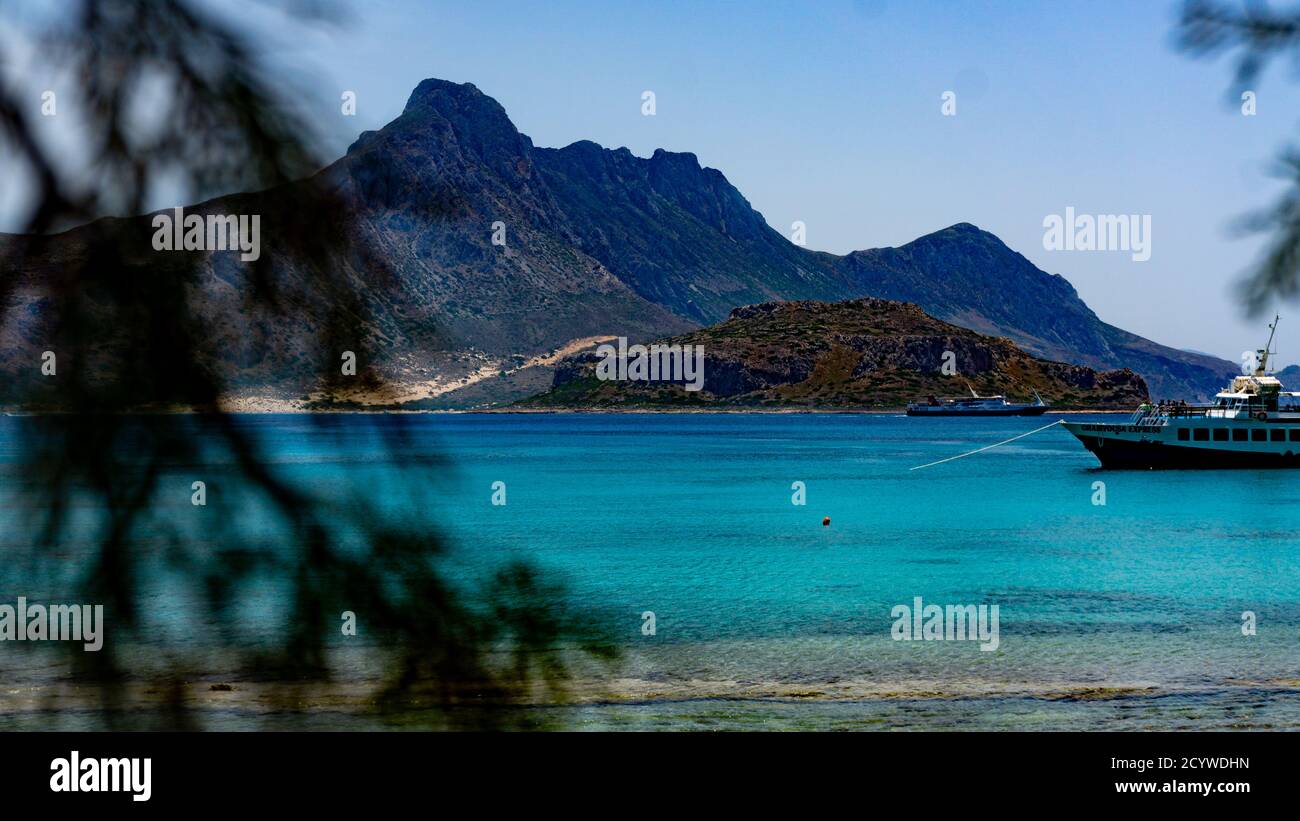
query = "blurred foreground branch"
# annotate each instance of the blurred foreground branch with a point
(136, 335)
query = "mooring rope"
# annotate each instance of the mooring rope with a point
(990, 447)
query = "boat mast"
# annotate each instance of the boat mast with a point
(1263, 355)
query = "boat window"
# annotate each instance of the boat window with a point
(1295, 434)
(1201, 434)
(1183, 434)
(1277, 435)
(1258, 435)
(1239, 434)
(1220, 434)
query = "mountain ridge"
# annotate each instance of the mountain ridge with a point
(600, 242)
(641, 218)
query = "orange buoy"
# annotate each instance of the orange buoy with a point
(826, 522)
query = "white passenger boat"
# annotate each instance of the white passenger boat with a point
(976, 405)
(1252, 423)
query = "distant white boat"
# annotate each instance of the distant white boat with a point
(976, 405)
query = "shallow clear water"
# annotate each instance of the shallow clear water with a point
(1126, 614)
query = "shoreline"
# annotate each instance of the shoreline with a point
(271, 410)
(232, 703)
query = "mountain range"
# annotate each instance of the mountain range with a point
(502, 256)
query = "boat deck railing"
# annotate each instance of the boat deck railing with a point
(1159, 415)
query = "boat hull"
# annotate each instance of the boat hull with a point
(1153, 452)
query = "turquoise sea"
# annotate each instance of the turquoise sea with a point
(1122, 615)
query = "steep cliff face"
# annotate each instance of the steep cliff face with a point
(433, 189)
(858, 353)
(680, 235)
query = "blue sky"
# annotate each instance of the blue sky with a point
(829, 113)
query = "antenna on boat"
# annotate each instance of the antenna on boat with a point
(1264, 354)
(972, 390)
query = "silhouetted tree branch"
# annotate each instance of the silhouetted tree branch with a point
(136, 336)
(1256, 35)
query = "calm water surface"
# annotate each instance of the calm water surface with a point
(1122, 615)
